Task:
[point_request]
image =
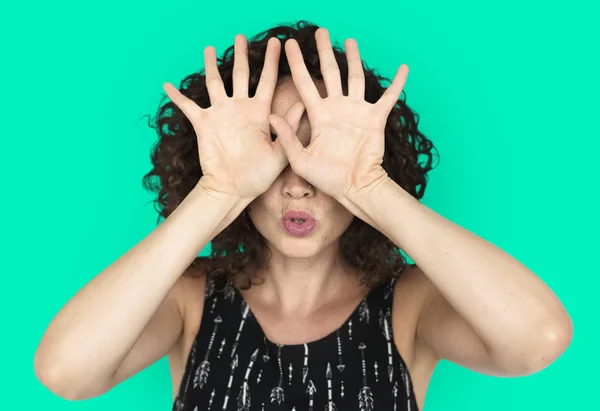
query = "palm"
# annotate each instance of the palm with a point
(347, 140)
(344, 145)
(251, 150)
(235, 149)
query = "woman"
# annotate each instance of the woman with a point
(307, 191)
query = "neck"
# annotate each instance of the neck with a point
(300, 286)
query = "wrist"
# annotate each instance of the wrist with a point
(214, 190)
(356, 196)
(223, 207)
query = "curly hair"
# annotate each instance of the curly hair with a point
(407, 159)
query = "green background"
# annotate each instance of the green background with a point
(507, 91)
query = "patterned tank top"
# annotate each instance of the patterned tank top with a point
(233, 366)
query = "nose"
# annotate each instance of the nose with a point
(295, 186)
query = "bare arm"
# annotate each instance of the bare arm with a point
(94, 333)
(484, 309)
(91, 343)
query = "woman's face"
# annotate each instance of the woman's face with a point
(291, 192)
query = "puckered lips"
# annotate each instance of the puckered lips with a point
(298, 223)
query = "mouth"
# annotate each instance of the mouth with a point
(298, 216)
(298, 223)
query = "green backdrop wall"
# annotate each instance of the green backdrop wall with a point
(507, 90)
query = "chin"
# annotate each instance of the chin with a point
(298, 247)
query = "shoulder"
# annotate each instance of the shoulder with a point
(191, 296)
(189, 291)
(412, 292)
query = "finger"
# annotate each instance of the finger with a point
(356, 75)
(189, 108)
(294, 115)
(390, 97)
(241, 72)
(268, 76)
(214, 82)
(288, 141)
(302, 80)
(280, 152)
(329, 67)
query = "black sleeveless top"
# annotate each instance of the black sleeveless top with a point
(233, 366)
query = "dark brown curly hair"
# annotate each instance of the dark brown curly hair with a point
(407, 159)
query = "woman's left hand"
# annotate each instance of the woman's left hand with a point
(347, 133)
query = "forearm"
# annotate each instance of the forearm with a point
(498, 296)
(92, 334)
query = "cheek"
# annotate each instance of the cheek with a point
(265, 203)
(341, 211)
(262, 210)
(346, 221)
(343, 218)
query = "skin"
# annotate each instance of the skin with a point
(292, 257)
(466, 300)
(472, 303)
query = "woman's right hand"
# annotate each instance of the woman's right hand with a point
(237, 155)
